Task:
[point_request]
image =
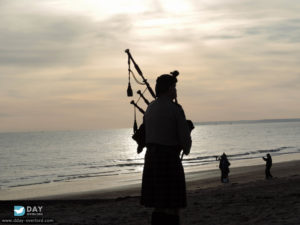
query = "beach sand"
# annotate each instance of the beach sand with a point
(247, 199)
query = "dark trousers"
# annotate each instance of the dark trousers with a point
(268, 173)
(224, 175)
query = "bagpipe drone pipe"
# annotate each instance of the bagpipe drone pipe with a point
(139, 132)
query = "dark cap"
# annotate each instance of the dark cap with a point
(163, 83)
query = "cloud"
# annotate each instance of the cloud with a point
(65, 60)
(39, 40)
(287, 30)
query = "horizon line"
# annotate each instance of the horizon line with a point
(196, 123)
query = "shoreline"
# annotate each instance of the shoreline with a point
(248, 199)
(90, 188)
(121, 182)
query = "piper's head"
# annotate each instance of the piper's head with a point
(166, 86)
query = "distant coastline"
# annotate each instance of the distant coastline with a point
(248, 121)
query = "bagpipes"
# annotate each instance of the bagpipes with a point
(139, 133)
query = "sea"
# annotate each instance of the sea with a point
(28, 158)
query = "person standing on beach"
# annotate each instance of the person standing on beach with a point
(224, 167)
(167, 133)
(268, 166)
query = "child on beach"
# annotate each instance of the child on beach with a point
(268, 166)
(224, 167)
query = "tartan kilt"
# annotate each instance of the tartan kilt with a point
(163, 184)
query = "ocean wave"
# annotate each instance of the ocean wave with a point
(200, 158)
(245, 155)
(68, 178)
(132, 163)
(116, 165)
(87, 174)
(29, 184)
(273, 150)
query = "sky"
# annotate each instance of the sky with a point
(63, 65)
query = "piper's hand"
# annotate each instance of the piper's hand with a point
(190, 125)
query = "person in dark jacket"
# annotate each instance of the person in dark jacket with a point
(268, 160)
(224, 167)
(167, 134)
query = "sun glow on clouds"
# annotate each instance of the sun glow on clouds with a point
(176, 6)
(99, 9)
